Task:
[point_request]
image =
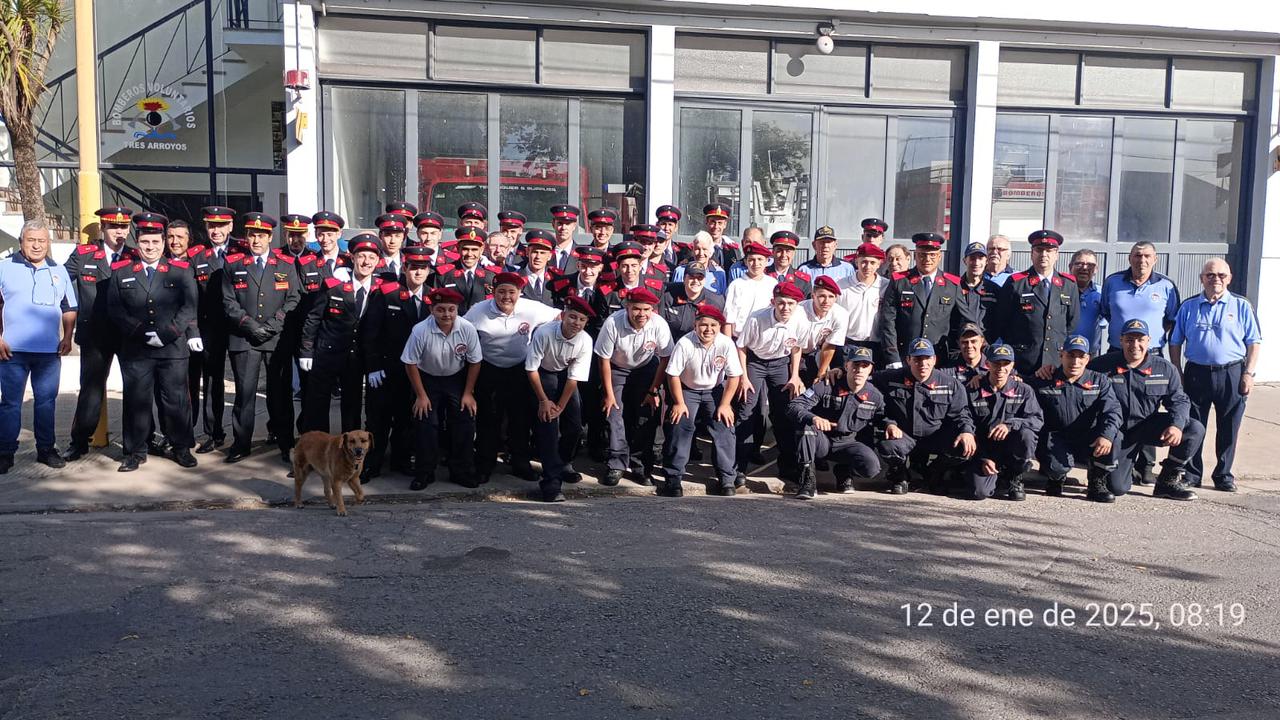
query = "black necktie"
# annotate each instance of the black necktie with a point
(417, 306)
(360, 295)
(115, 258)
(927, 283)
(262, 264)
(1042, 289)
(151, 273)
(328, 264)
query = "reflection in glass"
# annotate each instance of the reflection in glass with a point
(710, 141)
(1084, 178)
(535, 155)
(853, 187)
(612, 154)
(1146, 179)
(452, 151)
(781, 146)
(1211, 180)
(365, 133)
(922, 180)
(1018, 179)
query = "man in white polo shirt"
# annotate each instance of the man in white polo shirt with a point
(559, 359)
(633, 348)
(860, 295)
(505, 324)
(751, 292)
(442, 358)
(702, 378)
(769, 352)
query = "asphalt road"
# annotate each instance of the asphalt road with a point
(746, 607)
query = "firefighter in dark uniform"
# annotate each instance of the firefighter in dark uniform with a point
(612, 294)
(89, 268)
(1037, 309)
(391, 232)
(259, 290)
(783, 269)
(1143, 382)
(331, 338)
(467, 276)
(926, 413)
(1082, 419)
(309, 280)
(668, 221)
(331, 261)
(151, 302)
(835, 421)
(922, 302)
(538, 273)
(680, 301)
(1007, 421)
(651, 267)
(981, 292)
(385, 328)
(405, 210)
(207, 266)
(564, 221)
(873, 230)
(601, 222)
(716, 221)
(428, 227)
(473, 215)
(970, 361)
(512, 223)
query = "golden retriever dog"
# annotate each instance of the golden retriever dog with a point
(337, 458)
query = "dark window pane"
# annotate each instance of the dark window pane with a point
(373, 48)
(1123, 81)
(1037, 78)
(853, 187)
(1084, 178)
(452, 151)
(1146, 179)
(1214, 84)
(781, 146)
(917, 74)
(365, 134)
(798, 68)
(613, 157)
(597, 60)
(1211, 180)
(922, 180)
(1022, 151)
(710, 145)
(484, 54)
(535, 155)
(721, 64)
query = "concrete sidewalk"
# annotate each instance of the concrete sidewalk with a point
(92, 484)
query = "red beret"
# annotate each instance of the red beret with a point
(823, 282)
(577, 304)
(869, 250)
(642, 295)
(755, 248)
(788, 290)
(445, 295)
(508, 278)
(708, 310)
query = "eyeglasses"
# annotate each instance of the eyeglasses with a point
(1218, 276)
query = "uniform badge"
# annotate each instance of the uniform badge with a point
(650, 346)
(523, 329)
(460, 349)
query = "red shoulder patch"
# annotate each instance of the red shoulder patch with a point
(901, 275)
(332, 282)
(234, 257)
(953, 278)
(285, 257)
(121, 264)
(86, 249)
(182, 264)
(1066, 276)
(194, 251)
(389, 288)
(730, 244)
(1019, 276)
(803, 275)
(306, 259)
(100, 254)
(348, 287)
(442, 269)
(655, 283)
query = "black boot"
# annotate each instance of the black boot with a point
(611, 478)
(898, 483)
(1011, 482)
(1098, 491)
(1145, 476)
(807, 486)
(1053, 486)
(1170, 485)
(671, 489)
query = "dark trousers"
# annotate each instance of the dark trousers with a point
(193, 395)
(502, 394)
(633, 426)
(44, 371)
(1059, 450)
(1218, 389)
(389, 409)
(1146, 435)
(245, 366)
(557, 441)
(213, 371)
(597, 427)
(916, 450)
(344, 372)
(140, 375)
(846, 451)
(1012, 454)
(445, 394)
(768, 378)
(679, 438)
(95, 365)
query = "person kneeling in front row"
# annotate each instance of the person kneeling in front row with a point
(835, 421)
(1007, 418)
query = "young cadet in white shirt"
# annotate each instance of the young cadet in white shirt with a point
(751, 292)
(702, 378)
(442, 359)
(505, 323)
(828, 324)
(860, 295)
(633, 348)
(769, 351)
(559, 359)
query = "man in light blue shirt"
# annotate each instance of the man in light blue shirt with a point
(1140, 293)
(1219, 335)
(1084, 263)
(39, 319)
(999, 252)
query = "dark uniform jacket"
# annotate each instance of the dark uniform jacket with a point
(258, 305)
(680, 312)
(981, 297)
(164, 305)
(330, 334)
(388, 320)
(1142, 390)
(799, 278)
(610, 296)
(1087, 405)
(206, 266)
(90, 269)
(905, 313)
(656, 270)
(851, 413)
(477, 291)
(726, 253)
(1014, 405)
(1036, 328)
(920, 409)
(963, 372)
(546, 296)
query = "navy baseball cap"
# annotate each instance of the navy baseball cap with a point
(921, 347)
(1076, 342)
(857, 353)
(1136, 326)
(1000, 352)
(975, 248)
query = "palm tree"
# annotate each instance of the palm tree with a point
(28, 29)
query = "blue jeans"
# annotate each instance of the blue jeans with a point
(44, 369)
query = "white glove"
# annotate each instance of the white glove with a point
(154, 340)
(893, 366)
(376, 377)
(304, 364)
(195, 344)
